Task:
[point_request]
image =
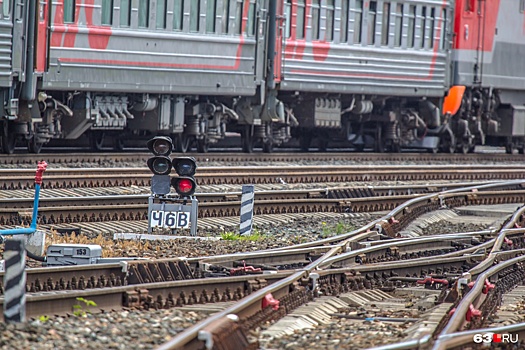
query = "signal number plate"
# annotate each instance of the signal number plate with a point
(170, 219)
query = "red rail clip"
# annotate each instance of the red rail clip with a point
(451, 312)
(472, 312)
(269, 300)
(488, 287)
(245, 269)
(393, 220)
(508, 241)
(431, 280)
(39, 172)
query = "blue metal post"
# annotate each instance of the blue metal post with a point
(31, 229)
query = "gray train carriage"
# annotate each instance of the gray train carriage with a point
(15, 74)
(370, 73)
(132, 68)
(489, 74)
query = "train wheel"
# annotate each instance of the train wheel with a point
(247, 139)
(395, 148)
(463, 148)
(508, 148)
(447, 143)
(521, 150)
(119, 144)
(378, 142)
(203, 146)
(448, 147)
(97, 140)
(305, 140)
(8, 139)
(182, 143)
(268, 147)
(33, 146)
(360, 147)
(323, 144)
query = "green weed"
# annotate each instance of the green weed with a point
(232, 236)
(79, 310)
(334, 230)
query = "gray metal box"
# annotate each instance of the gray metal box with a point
(319, 112)
(73, 254)
(512, 121)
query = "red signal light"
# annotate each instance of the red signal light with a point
(184, 186)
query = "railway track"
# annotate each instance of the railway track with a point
(14, 179)
(362, 259)
(78, 159)
(251, 312)
(372, 257)
(131, 208)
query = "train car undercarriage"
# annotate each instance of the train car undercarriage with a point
(363, 122)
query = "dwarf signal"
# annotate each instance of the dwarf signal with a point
(166, 210)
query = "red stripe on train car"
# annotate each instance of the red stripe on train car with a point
(381, 76)
(98, 31)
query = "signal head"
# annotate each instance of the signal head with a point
(160, 145)
(184, 186)
(160, 165)
(185, 166)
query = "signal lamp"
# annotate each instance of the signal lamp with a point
(160, 165)
(160, 145)
(185, 166)
(184, 186)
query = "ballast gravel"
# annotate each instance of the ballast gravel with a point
(122, 330)
(133, 329)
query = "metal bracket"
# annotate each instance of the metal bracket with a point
(314, 277)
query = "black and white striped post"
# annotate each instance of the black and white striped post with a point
(245, 228)
(15, 281)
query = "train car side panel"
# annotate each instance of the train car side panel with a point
(8, 66)
(370, 48)
(90, 50)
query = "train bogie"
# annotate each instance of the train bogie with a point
(431, 74)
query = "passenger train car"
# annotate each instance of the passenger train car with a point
(431, 74)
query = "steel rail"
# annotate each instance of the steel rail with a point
(281, 156)
(457, 319)
(61, 301)
(437, 242)
(138, 211)
(466, 337)
(336, 192)
(99, 177)
(278, 252)
(191, 333)
(449, 336)
(268, 195)
(399, 210)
